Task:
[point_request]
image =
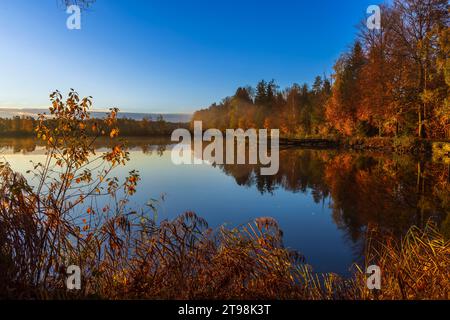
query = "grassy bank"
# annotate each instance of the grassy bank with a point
(184, 259)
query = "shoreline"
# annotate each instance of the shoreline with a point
(402, 145)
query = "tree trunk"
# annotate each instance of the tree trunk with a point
(420, 123)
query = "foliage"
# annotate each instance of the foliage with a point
(24, 126)
(296, 111)
(42, 227)
(393, 81)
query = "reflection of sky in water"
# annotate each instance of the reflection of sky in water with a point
(307, 226)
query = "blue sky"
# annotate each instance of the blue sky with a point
(168, 56)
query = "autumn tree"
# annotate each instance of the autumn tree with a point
(417, 39)
(320, 93)
(393, 82)
(342, 109)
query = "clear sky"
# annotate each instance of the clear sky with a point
(167, 55)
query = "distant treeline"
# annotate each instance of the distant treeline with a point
(393, 82)
(25, 126)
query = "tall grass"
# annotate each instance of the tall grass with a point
(416, 267)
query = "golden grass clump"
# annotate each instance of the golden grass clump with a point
(414, 268)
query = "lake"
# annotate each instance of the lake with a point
(323, 200)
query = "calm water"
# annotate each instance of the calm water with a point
(323, 200)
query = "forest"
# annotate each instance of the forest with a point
(392, 82)
(25, 126)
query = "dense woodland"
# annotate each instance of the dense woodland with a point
(392, 82)
(25, 126)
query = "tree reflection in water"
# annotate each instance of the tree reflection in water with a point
(388, 191)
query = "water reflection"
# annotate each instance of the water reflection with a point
(359, 189)
(393, 192)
